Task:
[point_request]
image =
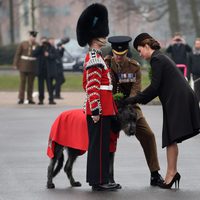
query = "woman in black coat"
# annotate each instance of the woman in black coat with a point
(181, 114)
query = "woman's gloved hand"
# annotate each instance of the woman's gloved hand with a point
(130, 100)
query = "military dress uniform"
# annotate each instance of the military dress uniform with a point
(97, 84)
(126, 79)
(92, 29)
(27, 66)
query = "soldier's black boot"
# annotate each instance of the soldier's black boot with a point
(156, 179)
(21, 101)
(111, 171)
(31, 102)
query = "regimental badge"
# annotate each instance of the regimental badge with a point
(126, 77)
(93, 54)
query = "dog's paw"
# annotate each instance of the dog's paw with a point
(76, 184)
(50, 185)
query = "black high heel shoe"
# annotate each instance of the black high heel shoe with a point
(176, 180)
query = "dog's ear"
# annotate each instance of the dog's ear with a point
(132, 110)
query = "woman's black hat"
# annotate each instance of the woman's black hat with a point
(92, 23)
(140, 38)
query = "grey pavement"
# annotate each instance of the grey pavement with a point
(23, 161)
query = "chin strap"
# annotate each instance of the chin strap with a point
(103, 43)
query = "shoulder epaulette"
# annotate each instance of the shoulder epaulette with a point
(95, 60)
(134, 62)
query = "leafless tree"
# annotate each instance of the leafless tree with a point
(173, 17)
(12, 29)
(0, 24)
(150, 11)
(195, 16)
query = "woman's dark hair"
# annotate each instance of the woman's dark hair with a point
(152, 43)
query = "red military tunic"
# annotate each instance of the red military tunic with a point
(97, 84)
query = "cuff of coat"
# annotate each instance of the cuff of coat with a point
(95, 112)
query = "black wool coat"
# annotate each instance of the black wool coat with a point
(179, 53)
(46, 65)
(194, 63)
(181, 113)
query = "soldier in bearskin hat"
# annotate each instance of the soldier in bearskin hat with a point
(92, 30)
(126, 79)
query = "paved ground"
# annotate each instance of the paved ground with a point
(23, 161)
(69, 99)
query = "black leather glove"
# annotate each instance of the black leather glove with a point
(130, 100)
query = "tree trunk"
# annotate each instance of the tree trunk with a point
(32, 14)
(173, 17)
(1, 42)
(12, 33)
(194, 11)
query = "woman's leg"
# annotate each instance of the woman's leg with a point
(172, 157)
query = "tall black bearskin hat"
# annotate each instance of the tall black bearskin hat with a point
(140, 38)
(92, 23)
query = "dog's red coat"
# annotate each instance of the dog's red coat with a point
(70, 130)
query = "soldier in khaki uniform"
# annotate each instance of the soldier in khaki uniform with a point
(27, 66)
(126, 78)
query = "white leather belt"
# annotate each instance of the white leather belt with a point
(28, 58)
(106, 87)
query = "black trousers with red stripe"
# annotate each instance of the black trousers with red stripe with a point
(98, 150)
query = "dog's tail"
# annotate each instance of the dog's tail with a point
(59, 165)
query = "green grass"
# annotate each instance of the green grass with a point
(73, 82)
(145, 79)
(10, 81)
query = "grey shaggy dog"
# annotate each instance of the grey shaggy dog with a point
(125, 120)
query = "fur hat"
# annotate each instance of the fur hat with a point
(141, 37)
(92, 23)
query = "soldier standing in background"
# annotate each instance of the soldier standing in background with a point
(27, 66)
